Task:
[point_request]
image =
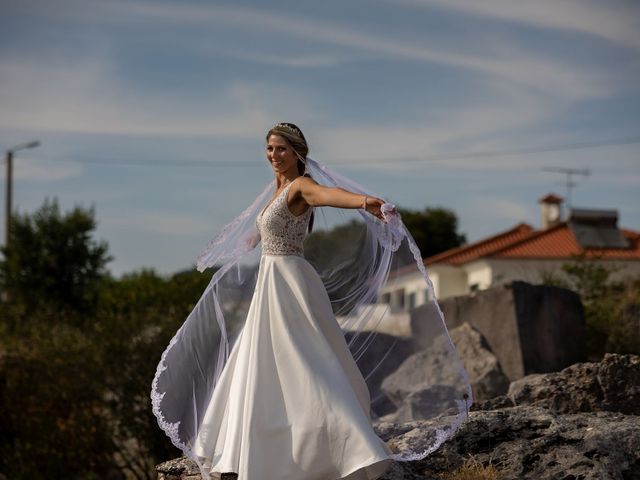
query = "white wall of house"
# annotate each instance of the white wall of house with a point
(479, 275)
(406, 292)
(448, 280)
(534, 270)
(410, 291)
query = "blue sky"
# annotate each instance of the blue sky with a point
(155, 111)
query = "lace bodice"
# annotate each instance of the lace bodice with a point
(281, 231)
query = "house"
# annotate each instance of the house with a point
(523, 253)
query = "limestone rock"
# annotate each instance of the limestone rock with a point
(533, 443)
(529, 328)
(553, 438)
(612, 385)
(521, 442)
(396, 349)
(421, 386)
(183, 468)
(485, 374)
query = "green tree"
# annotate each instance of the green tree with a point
(138, 314)
(611, 308)
(54, 422)
(78, 351)
(338, 245)
(434, 229)
(52, 261)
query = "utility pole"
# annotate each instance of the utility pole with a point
(569, 183)
(8, 197)
(9, 190)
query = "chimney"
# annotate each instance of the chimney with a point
(551, 210)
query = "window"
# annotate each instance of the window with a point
(411, 301)
(427, 295)
(399, 298)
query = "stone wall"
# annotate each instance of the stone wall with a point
(530, 328)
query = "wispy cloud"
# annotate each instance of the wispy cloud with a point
(556, 77)
(462, 126)
(140, 80)
(615, 21)
(295, 61)
(86, 96)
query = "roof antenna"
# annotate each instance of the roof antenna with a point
(569, 183)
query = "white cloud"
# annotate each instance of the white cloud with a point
(555, 77)
(614, 21)
(296, 61)
(518, 65)
(85, 96)
(462, 126)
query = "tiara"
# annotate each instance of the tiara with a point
(289, 128)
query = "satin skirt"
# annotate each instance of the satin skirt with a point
(291, 404)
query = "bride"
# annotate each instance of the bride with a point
(260, 380)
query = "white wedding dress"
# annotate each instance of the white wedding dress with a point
(290, 404)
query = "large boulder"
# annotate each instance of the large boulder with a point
(425, 383)
(485, 374)
(612, 384)
(530, 328)
(526, 443)
(394, 350)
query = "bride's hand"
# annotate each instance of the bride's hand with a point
(373, 206)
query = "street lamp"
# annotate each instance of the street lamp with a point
(10, 153)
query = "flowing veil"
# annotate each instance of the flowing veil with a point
(373, 273)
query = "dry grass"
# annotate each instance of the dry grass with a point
(472, 469)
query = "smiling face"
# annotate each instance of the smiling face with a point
(280, 154)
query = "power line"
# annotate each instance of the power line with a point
(508, 152)
(431, 158)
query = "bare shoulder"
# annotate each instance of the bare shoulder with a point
(304, 180)
(304, 189)
(305, 183)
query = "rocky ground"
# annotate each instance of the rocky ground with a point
(582, 423)
(526, 442)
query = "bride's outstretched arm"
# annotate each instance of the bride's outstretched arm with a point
(318, 196)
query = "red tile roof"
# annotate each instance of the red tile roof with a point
(522, 241)
(467, 253)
